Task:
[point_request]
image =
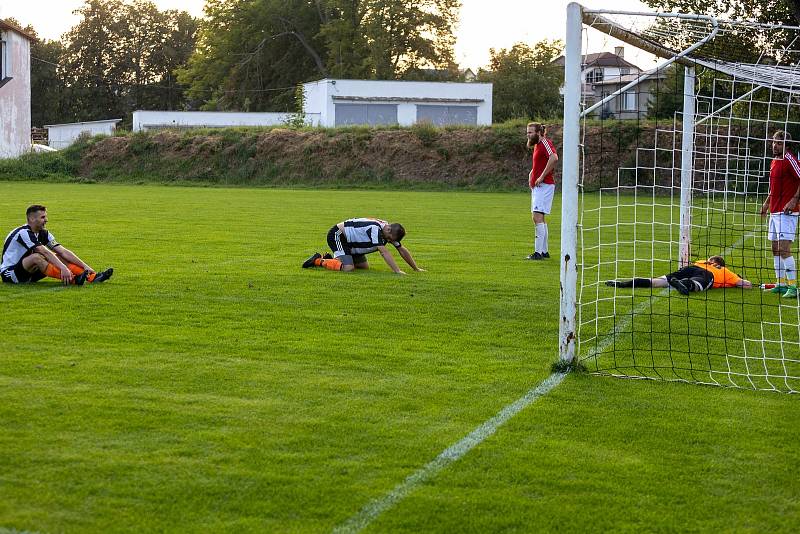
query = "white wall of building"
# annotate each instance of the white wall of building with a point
(62, 135)
(409, 98)
(15, 95)
(155, 120)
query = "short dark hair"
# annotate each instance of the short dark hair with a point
(719, 260)
(398, 231)
(34, 208)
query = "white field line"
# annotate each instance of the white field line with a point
(373, 509)
(376, 507)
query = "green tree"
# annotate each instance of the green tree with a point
(122, 56)
(767, 11)
(252, 53)
(526, 81)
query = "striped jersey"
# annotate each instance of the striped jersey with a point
(784, 178)
(21, 242)
(365, 235)
(541, 154)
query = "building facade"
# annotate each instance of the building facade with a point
(376, 102)
(62, 135)
(15, 91)
(605, 73)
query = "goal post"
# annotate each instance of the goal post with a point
(663, 168)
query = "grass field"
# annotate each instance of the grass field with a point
(213, 385)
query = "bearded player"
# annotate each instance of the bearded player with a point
(782, 205)
(542, 185)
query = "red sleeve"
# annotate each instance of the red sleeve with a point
(793, 164)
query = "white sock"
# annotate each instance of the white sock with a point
(790, 270)
(545, 248)
(541, 237)
(778, 262)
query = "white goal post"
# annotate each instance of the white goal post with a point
(686, 182)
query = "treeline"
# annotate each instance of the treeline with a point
(249, 55)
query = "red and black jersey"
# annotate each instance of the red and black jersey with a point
(541, 153)
(784, 179)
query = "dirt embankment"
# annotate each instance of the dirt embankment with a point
(492, 158)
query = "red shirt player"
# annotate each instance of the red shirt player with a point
(784, 192)
(542, 185)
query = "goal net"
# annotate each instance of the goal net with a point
(674, 167)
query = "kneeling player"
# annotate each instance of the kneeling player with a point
(351, 241)
(701, 276)
(31, 253)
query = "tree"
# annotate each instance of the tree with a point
(767, 11)
(252, 53)
(123, 56)
(526, 81)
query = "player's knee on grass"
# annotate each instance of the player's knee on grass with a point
(347, 263)
(35, 262)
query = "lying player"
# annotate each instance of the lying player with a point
(351, 241)
(701, 276)
(31, 253)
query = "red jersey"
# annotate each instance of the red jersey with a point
(784, 178)
(541, 153)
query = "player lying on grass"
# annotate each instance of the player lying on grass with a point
(351, 241)
(701, 276)
(31, 253)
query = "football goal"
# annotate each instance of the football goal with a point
(667, 165)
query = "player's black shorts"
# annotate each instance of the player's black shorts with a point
(18, 275)
(337, 242)
(693, 273)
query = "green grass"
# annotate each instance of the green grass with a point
(213, 385)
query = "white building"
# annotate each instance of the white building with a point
(604, 73)
(374, 102)
(15, 91)
(159, 120)
(62, 135)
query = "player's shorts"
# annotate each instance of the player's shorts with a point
(341, 250)
(782, 227)
(542, 198)
(702, 278)
(18, 275)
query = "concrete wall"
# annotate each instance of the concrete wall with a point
(323, 95)
(154, 120)
(62, 135)
(15, 98)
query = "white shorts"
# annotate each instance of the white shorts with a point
(542, 198)
(782, 227)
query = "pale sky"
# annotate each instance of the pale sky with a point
(484, 24)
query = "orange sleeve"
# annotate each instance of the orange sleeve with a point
(729, 278)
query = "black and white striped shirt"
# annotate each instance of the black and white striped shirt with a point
(21, 242)
(365, 235)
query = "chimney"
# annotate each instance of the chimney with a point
(619, 51)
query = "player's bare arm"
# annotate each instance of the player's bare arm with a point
(551, 163)
(389, 259)
(409, 259)
(52, 258)
(70, 257)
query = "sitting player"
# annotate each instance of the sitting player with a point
(30, 253)
(351, 241)
(701, 276)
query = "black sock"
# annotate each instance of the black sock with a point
(636, 282)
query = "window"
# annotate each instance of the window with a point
(594, 76)
(3, 58)
(630, 102)
(370, 114)
(446, 115)
(624, 71)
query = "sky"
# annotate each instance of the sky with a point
(484, 24)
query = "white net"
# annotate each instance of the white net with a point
(630, 224)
